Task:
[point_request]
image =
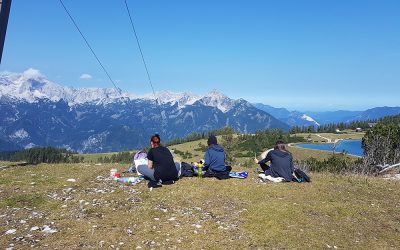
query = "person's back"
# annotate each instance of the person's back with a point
(281, 164)
(161, 168)
(214, 158)
(163, 163)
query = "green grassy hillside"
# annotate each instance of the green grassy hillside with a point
(344, 212)
(76, 205)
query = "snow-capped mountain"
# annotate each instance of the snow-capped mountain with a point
(180, 98)
(38, 112)
(31, 86)
(292, 118)
(310, 119)
(218, 100)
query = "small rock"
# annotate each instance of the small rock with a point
(101, 243)
(11, 231)
(48, 230)
(34, 228)
(172, 219)
(71, 180)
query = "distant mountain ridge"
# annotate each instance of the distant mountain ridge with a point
(292, 118)
(38, 112)
(312, 118)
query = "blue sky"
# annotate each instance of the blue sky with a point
(300, 54)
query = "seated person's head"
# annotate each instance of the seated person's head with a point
(280, 145)
(212, 140)
(155, 140)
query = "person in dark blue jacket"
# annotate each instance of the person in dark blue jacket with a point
(214, 160)
(281, 162)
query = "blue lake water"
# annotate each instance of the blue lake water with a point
(352, 147)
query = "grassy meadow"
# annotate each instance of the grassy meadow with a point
(324, 137)
(77, 206)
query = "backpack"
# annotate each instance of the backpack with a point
(300, 176)
(186, 170)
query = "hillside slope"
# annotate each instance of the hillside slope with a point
(41, 208)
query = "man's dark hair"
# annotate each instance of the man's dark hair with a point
(212, 140)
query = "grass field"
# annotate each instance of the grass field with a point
(344, 212)
(322, 137)
(192, 147)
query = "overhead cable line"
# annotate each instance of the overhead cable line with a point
(90, 47)
(140, 49)
(147, 70)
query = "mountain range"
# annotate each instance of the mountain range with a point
(307, 118)
(38, 112)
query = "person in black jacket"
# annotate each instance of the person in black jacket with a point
(161, 167)
(281, 162)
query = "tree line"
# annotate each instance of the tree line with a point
(201, 135)
(332, 127)
(43, 155)
(121, 157)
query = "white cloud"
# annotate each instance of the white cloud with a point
(85, 77)
(32, 73)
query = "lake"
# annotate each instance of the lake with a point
(351, 147)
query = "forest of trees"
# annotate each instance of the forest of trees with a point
(42, 155)
(382, 143)
(331, 127)
(202, 135)
(121, 157)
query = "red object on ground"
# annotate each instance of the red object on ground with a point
(118, 175)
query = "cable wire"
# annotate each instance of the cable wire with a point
(140, 49)
(158, 103)
(90, 47)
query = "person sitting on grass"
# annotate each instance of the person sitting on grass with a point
(161, 168)
(214, 160)
(281, 162)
